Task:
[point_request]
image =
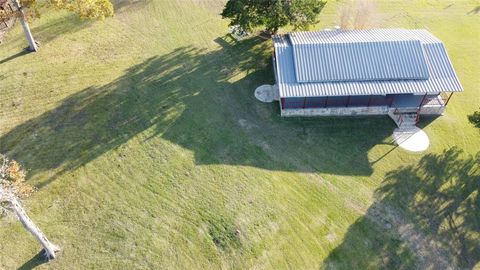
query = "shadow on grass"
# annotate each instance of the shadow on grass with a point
(71, 23)
(475, 10)
(50, 31)
(425, 217)
(121, 6)
(203, 102)
(35, 261)
(19, 54)
(55, 28)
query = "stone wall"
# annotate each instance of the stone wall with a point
(337, 111)
(353, 111)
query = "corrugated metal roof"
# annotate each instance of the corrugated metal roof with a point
(440, 75)
(359, 61)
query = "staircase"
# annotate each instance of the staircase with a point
(404, 119)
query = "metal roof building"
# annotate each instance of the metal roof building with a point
(356, 63)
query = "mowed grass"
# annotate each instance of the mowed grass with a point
(149, 150)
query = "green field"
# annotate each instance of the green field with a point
(149, 150)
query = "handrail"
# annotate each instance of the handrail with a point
(400, 119)
(417, 119)
(400, 116)
(444, 97)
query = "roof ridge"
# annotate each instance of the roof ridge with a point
(376, 35)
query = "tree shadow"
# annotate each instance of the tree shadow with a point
(11, 57)
(475, 10)
(55, 28)
(425, 217)
(202, 101)
(35, 261)
(121, 6)
(71, 22)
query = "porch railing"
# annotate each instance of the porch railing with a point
(399, 116)
(441, 99)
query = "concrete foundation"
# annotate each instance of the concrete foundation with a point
(432, 110)
(411, 139)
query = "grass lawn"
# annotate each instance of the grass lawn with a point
(149, 150)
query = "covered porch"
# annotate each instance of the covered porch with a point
(399, 101)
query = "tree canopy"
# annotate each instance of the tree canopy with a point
(88, 9)
(272, 14)
(475, 119)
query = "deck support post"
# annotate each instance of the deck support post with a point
(326, 102)
(369, 100)
(423, 100)
(448, 99)
(348, 101)
(304, 102)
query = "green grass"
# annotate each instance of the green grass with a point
(150, 151)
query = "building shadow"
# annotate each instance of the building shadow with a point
(204, 102)
(425, 217)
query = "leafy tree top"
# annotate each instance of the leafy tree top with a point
(475, 119)
(87, 9)
(272, 14)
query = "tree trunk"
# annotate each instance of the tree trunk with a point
(23, 20)
(274, 30)
(269, 32)
(50, 249)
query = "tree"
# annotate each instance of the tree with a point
(272, 14)
(87, 9)
(12, 187)
(475, 119)
(26, 9)
(33, 47)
